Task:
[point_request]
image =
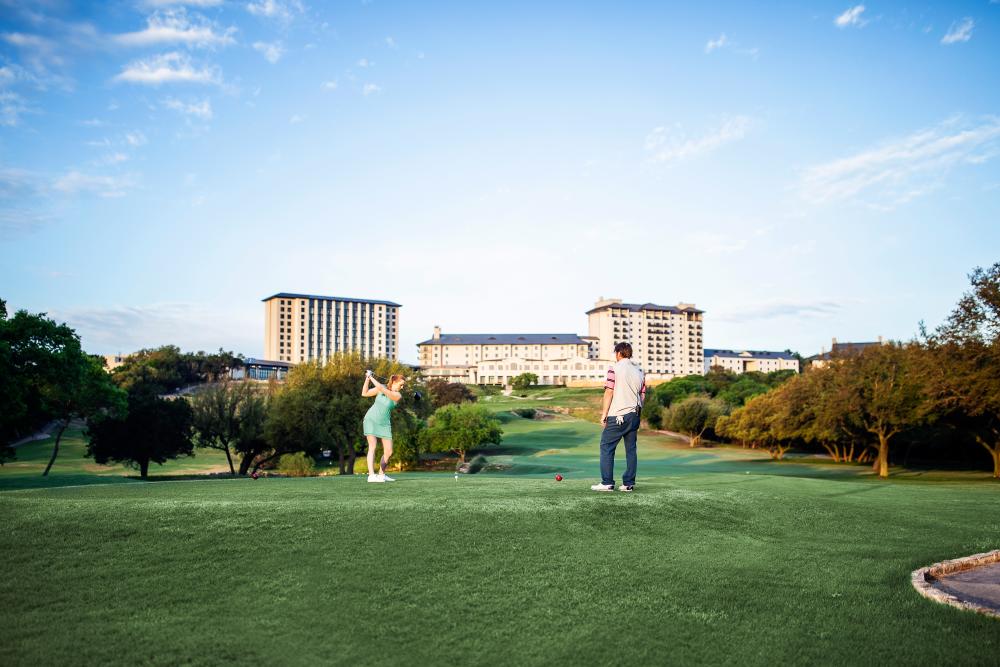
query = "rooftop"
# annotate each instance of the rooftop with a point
(635, 307)
(506, 339)
(292, 295)
(748, 354)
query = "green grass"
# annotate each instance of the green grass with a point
(73, 467)
(719, 557)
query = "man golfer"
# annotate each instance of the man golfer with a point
(624, 392)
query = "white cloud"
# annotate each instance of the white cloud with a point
(851, 17)
(189, 3)
(201, 109)
(275, 9)
(167, 68)
(369, 89)
(135, 139)
(272, 52)
(714, 44)
(960, 31)
(364, 62)
(390, 42)
(330, 85)
(173, 26)
(75, 182)
(903, 169)
(296, 119)
(713, 243)
(774, 309)
(112, 158)
(12, 107)
(666, 146)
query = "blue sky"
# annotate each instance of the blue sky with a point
(800, 171)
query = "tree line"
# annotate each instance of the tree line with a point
(939, 391)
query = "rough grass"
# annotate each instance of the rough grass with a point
(720, 556)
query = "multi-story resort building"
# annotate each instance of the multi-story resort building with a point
(744, 361)
(840, 351)
(666, 340)
(497, 358)
(307, 327)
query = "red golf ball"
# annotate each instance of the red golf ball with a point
(558, 477)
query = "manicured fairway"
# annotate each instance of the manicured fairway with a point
(703, 564)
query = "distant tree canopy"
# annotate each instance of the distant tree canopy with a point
(524, 381)
(461, 428)
(166, 369)
(444, 393)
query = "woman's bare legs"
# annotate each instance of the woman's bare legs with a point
(372, 443)
(386, 454)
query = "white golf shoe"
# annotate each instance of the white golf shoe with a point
(627, 489)
(375, 479)
(386, 478)
(602, 487)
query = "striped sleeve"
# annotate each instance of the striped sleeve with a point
(610, 382)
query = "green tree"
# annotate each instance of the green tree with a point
(251, 441)
(461, 428)
(155, 430)
(693, 416)
(738, 392)
(884, 394)
(962, 367)
(679, 388)
(218, 412)
(444, 393)
(524, 381)
(81, 389)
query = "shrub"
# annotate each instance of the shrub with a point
(527, 413)
(296, 465)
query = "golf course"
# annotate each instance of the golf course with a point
(719, 556)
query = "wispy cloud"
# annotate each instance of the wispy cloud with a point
(714, 44)
(370, 89)
(768, 310)
(272, 51)
(851, 17)
(665, 145)
(960, 31)
(190, 3)
(122, 328)
(275, 9)
(12, 107)
(171, 67)
(135, 139)
(202, 109)
(714, 243)
(900, 170)
(364, 62)
(330, 85)
(174, 26)
(296, 119)
(76, 182)
(390, 42)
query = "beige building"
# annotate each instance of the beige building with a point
(666, 340)
(306, 327)
(113, 361)
(840, 351)
(496, 358)
(746, 361)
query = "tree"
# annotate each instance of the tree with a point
(155, 430)
(884, 395)
(523, 381)
(962, 368)
(218, 412)
(168, 369)
(81, 389)
(652, 412)
(460, 428)
(693, 416)
(444, 393)
(738, 392)
(251, 441)
(35, 353)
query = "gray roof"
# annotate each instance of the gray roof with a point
(844, 349)
(506, 339)
(755, 354)
(635, 307)
(291, 295)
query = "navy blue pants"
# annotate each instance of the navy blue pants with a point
(613, 432)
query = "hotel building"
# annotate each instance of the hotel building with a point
(745, 361)
(497, 358)
(306, 327)
(666, 340)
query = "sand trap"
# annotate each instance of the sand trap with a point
(971, 583)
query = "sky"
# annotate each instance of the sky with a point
(799, 171)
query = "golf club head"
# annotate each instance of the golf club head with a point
(417, 397)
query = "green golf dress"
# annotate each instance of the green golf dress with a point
(377, 418)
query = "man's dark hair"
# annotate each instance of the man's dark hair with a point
(624, 349)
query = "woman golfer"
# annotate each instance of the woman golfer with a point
(377, 421)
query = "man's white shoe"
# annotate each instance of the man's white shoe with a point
(386, 478)
(375, 478)
(602, 487)
(625, 488)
